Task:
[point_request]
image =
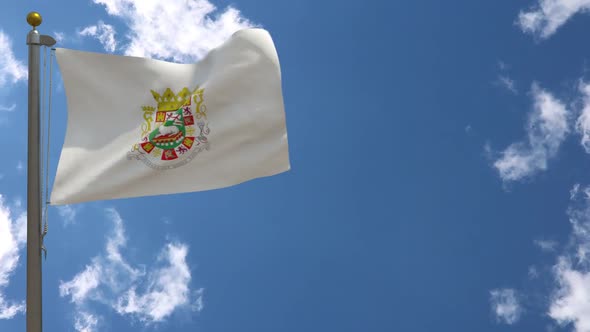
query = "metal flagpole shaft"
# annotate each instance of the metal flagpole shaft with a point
(34, 308)
(34, 303)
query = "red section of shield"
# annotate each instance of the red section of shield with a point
(189, 120)
(147, 147)
(169, 155)
(188, 142)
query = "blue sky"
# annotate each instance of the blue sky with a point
(439, 180)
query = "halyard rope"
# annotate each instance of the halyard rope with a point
(46, 184)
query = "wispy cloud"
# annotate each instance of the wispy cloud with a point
(547, 128)
(505, 305)
(149, 297)
(167, 288)
(13, 236)
(11, 69)
(546, 16)
(81, 286)
(105, 34)
(59, 36)
(546, 245)
(179, 30)
(109, 269)
(574, 191)
(86, 322)
(570, 301)
(583, 121)
(68, 213)
(569, 294)
(507, 83)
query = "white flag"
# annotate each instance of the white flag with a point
(139, 127)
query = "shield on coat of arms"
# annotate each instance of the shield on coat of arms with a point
(174, 131)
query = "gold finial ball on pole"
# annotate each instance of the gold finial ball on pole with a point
(34, 19)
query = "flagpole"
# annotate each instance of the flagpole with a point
(34, 304)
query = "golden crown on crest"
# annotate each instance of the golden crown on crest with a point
(169, 101)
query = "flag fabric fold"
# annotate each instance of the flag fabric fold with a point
(142, 127)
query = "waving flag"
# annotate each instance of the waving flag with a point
(139, 127)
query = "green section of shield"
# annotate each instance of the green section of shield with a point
(176, 121)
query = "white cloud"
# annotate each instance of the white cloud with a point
(82, 284)
(85, 322)
(118, 268)
(546, 245)
(507, 83)
(20, 166)
(11, 69)
(8, 311)
(59, 37)
(198, 304)
(13, 236)
(571, 302)
(505, 305)
(583, 122)
(68, 213)
(547, 16)
(105, 34)
(547, 128)
(167, 288)
(180, 30)
(111, 280)
(579, 218)
(574, 191)
(110, 270)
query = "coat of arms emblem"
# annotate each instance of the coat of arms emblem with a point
(174, 131)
